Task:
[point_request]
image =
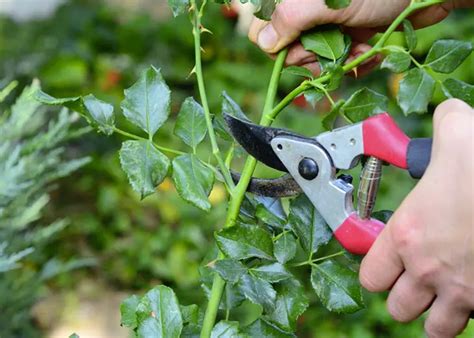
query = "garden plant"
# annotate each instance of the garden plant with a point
(268, 251)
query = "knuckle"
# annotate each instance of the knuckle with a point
(426, 274)
(404, 230)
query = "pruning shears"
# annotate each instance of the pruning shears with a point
(313, 164)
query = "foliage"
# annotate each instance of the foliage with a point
(162, 240)
(32, 157)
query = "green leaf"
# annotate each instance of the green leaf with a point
(265, 10)
(245, 241)
(74, 335)
(145, 166)
(397, 61)
(225, 329)
(416, 91)
(190, 314)
(193, 180)
(273, 273)
(329, 120)
(258, 291)
(230, 107)
(326, 41)
(313, 96)
(291, 302)
(261, 329)
(363, 104)
(4, 92)
(460, 90)
(308, 224)
(268, 217)
(285, 248)
(383, 215)
(232, 297)
(337, 4)
(128, 310)
(159, 314)
(447, 55)
(230, 270)
(337, 287)
(298, 71)
(410, 35)
(179, 6)
(97, 113)
(147, 102)
(336, 73)
(102, 113)
(191, 123)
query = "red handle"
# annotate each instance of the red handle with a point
(357, 235)
(385, 140)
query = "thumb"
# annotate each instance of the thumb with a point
(291, 17)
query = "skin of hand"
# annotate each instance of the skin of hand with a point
(362, 19)
(425, 255)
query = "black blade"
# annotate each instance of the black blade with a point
(284, 186)
(256, 140)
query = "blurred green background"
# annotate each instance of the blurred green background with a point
(101, 47)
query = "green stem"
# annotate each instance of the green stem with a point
(136, 137)
(355, 63)
(238, 196)
(202, 93)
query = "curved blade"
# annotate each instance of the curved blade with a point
(256, 140)
(284, 186)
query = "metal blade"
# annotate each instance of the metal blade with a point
(284, 186)
(256, 140)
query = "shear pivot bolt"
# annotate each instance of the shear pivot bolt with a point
(308, 169)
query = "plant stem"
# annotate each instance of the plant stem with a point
(355, 63)
(238, 196)
(136, 137)
(202, 93)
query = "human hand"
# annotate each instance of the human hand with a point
(362, 19)
(425, 255)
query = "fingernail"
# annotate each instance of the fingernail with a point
(268, 38)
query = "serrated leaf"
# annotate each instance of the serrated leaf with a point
(313, 96)
(337, 74)
(230, 107)
(337, 4)
(447, 55)
(285, 248)
(146, 167)
(329, 120)
(298, 71)
(273, 273)
(265, 8)
(258, 291)
(128, 309)
(416, 90)
(291, 302)
(325, 41)
(191, 123)
(147, 102)
(268, 217)
(97, 113)
(337, 287)
(232, 297)
(308, 224)
(159, 314)
(193, 180)
(230, 270)
(179, 6)
(101, 112)
(261, 329)
(245, 241)
(363, 104)
(410, 35)
(397, 61)
(460, 90)
(226, 329)
(190, 314)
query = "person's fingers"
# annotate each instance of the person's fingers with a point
(298, 56)
(408, 299)
(430, 15)
(291, 17)
(382, 265)
(445, 319)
